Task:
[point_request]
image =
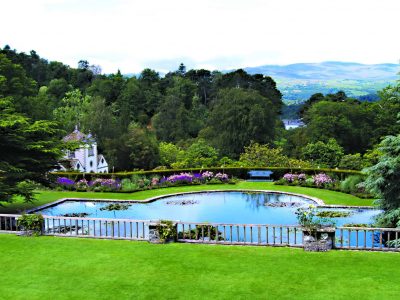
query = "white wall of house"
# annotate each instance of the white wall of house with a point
(86, 159)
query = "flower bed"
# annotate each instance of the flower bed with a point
(322, 181)
(139, 183)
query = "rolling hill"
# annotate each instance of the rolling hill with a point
(299, 81)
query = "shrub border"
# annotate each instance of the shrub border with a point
(241, 172)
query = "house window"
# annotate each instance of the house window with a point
(102, 160)
(78, 166)
(91, 151)
(91, 163)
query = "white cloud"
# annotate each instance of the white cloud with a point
(216, 34)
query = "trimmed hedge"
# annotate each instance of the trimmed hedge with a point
(241, 172)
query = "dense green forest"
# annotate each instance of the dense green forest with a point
(195, 118)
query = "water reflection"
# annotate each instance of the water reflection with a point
(221, 207)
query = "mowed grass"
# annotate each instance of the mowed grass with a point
(329, 197)
(72, 268)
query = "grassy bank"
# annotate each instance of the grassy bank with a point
(68, 268)
(329, 197)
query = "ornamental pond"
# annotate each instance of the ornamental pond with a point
(213, 207)
(222, 207)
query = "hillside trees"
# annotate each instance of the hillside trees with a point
(142, 146)
(73, 110)
(327, 154)
(238, 117)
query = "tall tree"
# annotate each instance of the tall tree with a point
(28, 151)
(238, 117)
(143, 147)
(74, 109)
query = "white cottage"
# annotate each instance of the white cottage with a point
(86, 158)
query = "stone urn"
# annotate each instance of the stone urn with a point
(155, 236)
(319, 240)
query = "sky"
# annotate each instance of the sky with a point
(131, 35)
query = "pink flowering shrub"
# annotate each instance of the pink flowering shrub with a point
(82, 184)
(301, 177)
(289, 177)
(322, 179)
(154, 181)
(207, 175)
(222, 176)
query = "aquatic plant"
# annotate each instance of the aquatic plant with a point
(75, 215)
(333, 214)
(116, 206)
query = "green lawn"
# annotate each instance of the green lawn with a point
(329, 197)
(69, 268)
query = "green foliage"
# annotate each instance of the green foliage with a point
(76, 215)
(169, 153)
(355, 225)
(31, 223)
(262, 155)
(351, 162)
(323, 154)
(310, 221)
(238, 117)
(128, 186)
(353, 184)
(116, 206)
(388, 219)
(384, 177)
(198, 155)
(166, 230)
(332, 214)
(29, 150)
(142, 146)
(74, 109)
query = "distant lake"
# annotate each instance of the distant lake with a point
(290, 124)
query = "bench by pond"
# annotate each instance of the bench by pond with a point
(260, 175)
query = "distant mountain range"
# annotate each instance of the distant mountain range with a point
(330, 70)
(298, 82)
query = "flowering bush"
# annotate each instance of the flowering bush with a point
(322, 179)
(222, 176)
(187, 178)
(65, 182)
(154, 181)
(181, 178)
(289, 177)
(301, 177)
(110, 184)
(140, 183)
(82, 184)
(207, 175)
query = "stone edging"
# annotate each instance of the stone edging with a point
(319, 202)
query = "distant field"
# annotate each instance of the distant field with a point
(299, 90)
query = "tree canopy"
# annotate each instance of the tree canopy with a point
(28, 151)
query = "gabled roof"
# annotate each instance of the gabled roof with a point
(99, 158)
(77, 136)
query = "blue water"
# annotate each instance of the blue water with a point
(218, 207)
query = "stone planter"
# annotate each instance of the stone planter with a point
(320, 240)
(154, 234)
